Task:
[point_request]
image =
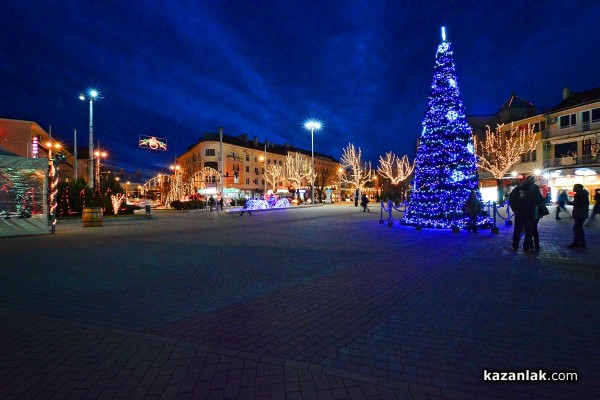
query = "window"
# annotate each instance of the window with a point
(209, 152)
(256, 170)
(596, 115)
(255, 159)
(247, 168)
(232, 154)
(247, 157)
(247, 181)
(529, 156)
(566, 121)
(590, 146)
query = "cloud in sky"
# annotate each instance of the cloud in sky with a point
(176, 69)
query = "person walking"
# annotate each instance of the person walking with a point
(581, 209)
(596, 209)
(472, 209)
(561, 200)
(246, 209)
(524, 200)
(364, 201)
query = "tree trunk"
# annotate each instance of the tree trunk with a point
(500, 191)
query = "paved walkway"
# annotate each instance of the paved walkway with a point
(314, 303)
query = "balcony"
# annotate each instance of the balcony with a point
(572, 161)
(575, 130)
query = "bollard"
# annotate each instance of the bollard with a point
(495, 229)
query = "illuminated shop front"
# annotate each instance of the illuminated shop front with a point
(564, 179)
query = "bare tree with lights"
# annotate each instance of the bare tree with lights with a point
(502, 149)
(274, 174)
(394, 168)
(297, 168)
(353, 170)
(117, 200)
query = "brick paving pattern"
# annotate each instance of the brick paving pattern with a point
(314, 303)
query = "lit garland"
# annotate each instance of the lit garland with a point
(259, 204)
(445, 166)
(52, 190)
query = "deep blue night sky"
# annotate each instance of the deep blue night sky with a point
(178, 69)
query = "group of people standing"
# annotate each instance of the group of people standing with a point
(527, 202)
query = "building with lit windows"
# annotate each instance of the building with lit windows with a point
(571, 142)
(28, 139)
(244, 164)
(568, 147)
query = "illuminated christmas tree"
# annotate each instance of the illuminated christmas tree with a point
(445, 166)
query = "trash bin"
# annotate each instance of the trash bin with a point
(148, 209)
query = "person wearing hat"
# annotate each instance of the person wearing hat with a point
(581, 210)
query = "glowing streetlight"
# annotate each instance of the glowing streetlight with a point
(312, 125)
(92, 95)
(99, 154)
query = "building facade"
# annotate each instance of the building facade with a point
(568, 145)
(28, 139)
(244, 164)
(571, 142)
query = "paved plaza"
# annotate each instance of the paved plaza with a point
(309, 303)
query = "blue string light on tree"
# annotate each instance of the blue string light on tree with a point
(445, 166)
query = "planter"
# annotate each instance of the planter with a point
(92, 216)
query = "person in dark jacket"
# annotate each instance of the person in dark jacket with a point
(472, 209)
(596, 209)
(581, 210)
(364, 201)
(524, 201)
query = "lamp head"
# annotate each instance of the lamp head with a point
(313, 124)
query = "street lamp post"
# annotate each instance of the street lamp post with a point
(92, 95)
(312, 125)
